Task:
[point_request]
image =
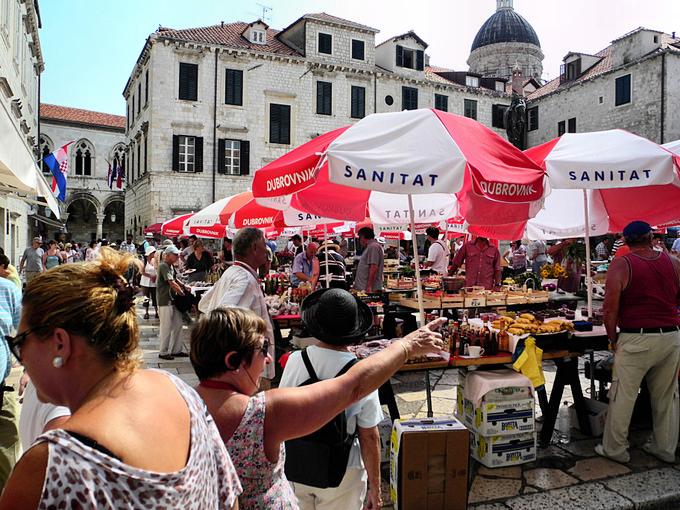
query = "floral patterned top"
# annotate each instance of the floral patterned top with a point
(79, 476)
(265, 486)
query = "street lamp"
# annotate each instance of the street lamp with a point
(113, 217)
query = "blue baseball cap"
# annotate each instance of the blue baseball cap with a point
(637, 229)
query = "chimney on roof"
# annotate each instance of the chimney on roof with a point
(222, 24)
(673, 35)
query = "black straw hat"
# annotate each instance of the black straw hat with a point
(336, 317)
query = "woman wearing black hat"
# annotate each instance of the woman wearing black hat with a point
(229, 352)
(331, 317)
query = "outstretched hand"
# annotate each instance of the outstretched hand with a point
(425, 340)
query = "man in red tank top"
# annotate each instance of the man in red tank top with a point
(641, 298)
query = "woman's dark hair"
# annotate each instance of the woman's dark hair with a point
(433, 232)
(366, 233)
(4, 261)
(220, 332)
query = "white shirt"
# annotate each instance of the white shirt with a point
(35, 415)
(239, 287)
(145, 281)
(438, 254)
(676, 245)
(365, 413)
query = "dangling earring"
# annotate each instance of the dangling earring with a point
(58, 362)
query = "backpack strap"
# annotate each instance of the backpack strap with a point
(349, 365)
(310, 368)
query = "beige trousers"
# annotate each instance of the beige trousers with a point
(170, 335)
(349, 495)
(10, 447)
(656, 357)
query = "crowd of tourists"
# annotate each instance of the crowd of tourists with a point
(90, 429)
(89, 425)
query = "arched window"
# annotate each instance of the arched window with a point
(46, 147)
(84, 156)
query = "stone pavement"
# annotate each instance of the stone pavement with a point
(571, 476)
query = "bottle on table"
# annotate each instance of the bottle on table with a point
(503, 338)
(562, 434)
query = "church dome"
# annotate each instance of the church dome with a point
(505, 26)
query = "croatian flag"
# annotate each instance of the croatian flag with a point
(120, 174)
(57, 162)
(113, 172)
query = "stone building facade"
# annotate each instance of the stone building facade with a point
(206, 107)
(92, 210)
(632, 84)
(21, 63)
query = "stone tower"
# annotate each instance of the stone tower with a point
(505, 39)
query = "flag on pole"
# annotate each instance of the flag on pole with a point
(57, 162)
(113, 172)
(120, 174)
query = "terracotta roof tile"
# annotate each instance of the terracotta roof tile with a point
(601, 67)
(229, 34)
(80, 116)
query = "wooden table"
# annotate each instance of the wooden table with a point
(567, 374)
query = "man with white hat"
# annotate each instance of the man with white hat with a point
(171, 318)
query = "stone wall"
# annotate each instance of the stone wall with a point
(93, 188)
(498, 60)
(163, 193)
(592, 103)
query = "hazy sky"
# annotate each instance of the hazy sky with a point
(90, 46)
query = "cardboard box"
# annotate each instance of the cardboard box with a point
(499, 394)
(429, 464)
(500, 451)
(597, 414)
(496, 418)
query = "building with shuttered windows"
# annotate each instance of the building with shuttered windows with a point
(206, 107)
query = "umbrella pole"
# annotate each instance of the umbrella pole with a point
(414, 243)
(325, 241)
(589, 280)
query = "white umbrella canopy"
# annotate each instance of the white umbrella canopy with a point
(620, 176)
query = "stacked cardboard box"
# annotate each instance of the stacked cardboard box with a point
(429, 464)
(502, 426)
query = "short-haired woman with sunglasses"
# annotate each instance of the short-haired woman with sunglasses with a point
(136, 438)
(229, 353)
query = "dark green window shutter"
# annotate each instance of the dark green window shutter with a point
(420, 60)
(220, 156)
(358, 106)
(409, 98)
(441, 102)
(325, 44)
(188, 81)
(175, 153)
(234, 87)
(279, 123)
(245, 157)
(198, 154)
(400, 56)
(324, 97)
(357, 49)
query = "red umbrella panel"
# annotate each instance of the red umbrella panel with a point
(423, 153)
(175, 226)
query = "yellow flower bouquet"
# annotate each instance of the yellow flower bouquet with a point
(555, 270)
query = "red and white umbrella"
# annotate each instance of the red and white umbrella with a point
(448, 164)
(621, 176)
(175, 226)
(601, 182)
(415, 166)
